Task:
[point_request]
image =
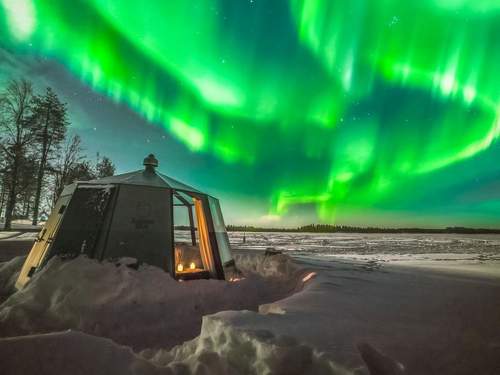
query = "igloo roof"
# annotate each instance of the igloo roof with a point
(146, 177)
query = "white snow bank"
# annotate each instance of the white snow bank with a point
(141, 309)
(9, 272)
(148, 309)
(277, 266)
(221, 349)
(224, 348)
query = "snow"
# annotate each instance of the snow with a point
(8, 234)
(147, 310)
(140, 309)
(18, 236)
(329, 303)
(9, 271)
(224, 348)
(220, 349)
(347, 245)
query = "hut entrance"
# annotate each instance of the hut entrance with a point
(193, 253)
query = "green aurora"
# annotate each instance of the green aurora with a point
(341, 106)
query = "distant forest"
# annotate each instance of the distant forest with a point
(327, 228)
(37, 155)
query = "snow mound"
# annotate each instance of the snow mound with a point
(224, 348)
(277, 266)
(119, 310)
(221, 349)
(9, 272)
(142, 308)
(70, 352)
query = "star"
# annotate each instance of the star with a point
(394, 21)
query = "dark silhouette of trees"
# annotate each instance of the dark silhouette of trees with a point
(104, 168)
(16, 110)
(36, 159)
(63, 171)
(328, 228)
(50, 123)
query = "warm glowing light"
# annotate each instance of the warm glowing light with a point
(192, 265)
(235, 279)
(180, 267)
(308, 277)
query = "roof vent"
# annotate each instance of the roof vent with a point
(150, 162)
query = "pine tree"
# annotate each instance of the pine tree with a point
(104, 168)
(50, 119)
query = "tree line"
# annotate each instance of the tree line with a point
(328, 228)
(38, 156)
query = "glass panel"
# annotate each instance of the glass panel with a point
(206, 251)
(83, 220)
(187, 250)
(193, 254)
(220, 231)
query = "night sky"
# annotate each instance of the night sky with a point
(381, 112)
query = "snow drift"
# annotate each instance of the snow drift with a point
(140, 309)
(118, 310)
(220, 349)
(9, 271)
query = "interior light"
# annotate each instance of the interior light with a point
(180, 267)
(308, 277)
(192, 265)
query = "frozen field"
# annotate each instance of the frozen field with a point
(334, 244)
(384, 247)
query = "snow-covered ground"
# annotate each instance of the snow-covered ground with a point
(478, 254)
(430, 302)
(363, 244)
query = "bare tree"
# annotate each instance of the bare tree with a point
(64, 170)
(17, 135)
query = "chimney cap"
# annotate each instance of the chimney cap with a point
(150, 162)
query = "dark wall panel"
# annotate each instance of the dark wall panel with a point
(82, 224)
(142, 226)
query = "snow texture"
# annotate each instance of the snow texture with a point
(9, 271)
(346, 297)
(220, 349)
(141, 309)
(365, 244)
(147, 310)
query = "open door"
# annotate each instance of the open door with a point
(193, 248)
(73, 228)
(43, 241)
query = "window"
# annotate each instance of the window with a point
(220, 231)
(193, 254)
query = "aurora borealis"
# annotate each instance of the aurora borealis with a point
(340, 111)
